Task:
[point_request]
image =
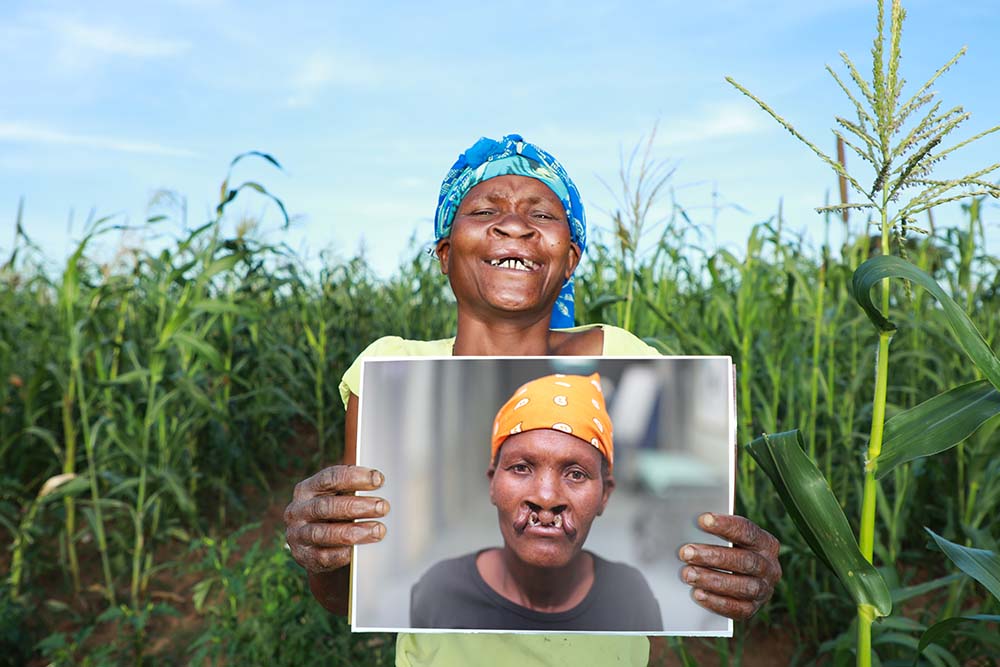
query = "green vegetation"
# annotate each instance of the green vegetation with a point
(178, 394)
(156, 409)
(902, 149)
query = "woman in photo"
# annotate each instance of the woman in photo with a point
(552, 461)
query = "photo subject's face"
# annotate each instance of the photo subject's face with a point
(548, 489)
(510, 245)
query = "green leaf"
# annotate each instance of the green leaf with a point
(980, 564)
(903, 594)
(816, 513)
(265, 156)
(174, 324)
(220, 265)
(940, 630)
(217, 307)
(199, 346)
(139, 374)
(937, 424)
(601, 302)
(73, 487)
(968, 337)
(200, 592)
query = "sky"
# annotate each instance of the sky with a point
(106, 106)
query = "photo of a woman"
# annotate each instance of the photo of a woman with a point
(542, 494)
(552, 461)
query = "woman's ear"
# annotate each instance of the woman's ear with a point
(609, 486)
(443, 252)
(574, 259)
(489, 474)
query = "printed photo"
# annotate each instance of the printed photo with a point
(545, 494)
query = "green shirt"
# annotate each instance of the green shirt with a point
(548, 650)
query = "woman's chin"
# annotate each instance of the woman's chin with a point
(518, 303)
(552, 557)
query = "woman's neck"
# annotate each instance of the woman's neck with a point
(514, 337)
(547, 590)
(509, 337)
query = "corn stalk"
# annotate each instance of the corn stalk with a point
(898, 167)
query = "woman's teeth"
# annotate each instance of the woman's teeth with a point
(533, 520)
(514, 263)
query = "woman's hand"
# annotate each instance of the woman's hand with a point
(319, 522)
(732, 581)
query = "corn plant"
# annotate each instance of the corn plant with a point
(900, 166)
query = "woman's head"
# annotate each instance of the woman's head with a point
(552, 453)
(511, 162)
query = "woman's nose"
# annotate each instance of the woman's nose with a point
(513, 225)
(547, 493)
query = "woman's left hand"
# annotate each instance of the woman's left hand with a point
(732, 581)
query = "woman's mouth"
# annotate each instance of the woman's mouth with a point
(529, 521)
(533, 521)
(514, 263)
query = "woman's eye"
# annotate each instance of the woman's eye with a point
(483, 212)
(578, 475)
(518, 467)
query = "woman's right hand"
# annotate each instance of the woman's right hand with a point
(319, 522)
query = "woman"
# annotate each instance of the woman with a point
(551, 475)
(510, 230)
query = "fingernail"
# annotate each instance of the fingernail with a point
(377, 478)
(381, 507)
(700, 594)
(378, 531)
(687, 553)
(708, 520)
(691, 575)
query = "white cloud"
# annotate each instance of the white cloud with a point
(36, 134)
(106, 40)
(722, 122)
(322, 70)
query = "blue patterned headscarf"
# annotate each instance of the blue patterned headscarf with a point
(488, 159)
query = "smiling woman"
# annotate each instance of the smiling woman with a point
(512, 222)
(550, 478)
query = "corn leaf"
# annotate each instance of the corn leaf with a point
(936, 424)
(938, 632)
(980, 564)
(220, 265)
(904, 594)
(968, 337)
(199, 346)
(217, 307)
(816, 513)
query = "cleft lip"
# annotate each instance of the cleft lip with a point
(521, 519)
(528, 518)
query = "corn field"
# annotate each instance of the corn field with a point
(153, 408)
(157, 408)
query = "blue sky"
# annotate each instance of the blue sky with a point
(366, 106)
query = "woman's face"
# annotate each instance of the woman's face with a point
(509, 250)
(548, 488)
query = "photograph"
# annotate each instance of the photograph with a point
(542, 494)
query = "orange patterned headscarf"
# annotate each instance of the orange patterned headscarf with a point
(572, 404)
